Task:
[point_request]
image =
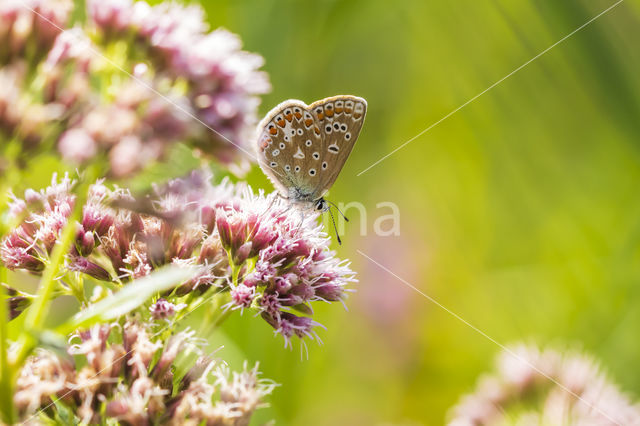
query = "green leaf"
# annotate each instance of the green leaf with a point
(130, 297)
(64, 414)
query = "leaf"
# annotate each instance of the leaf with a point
(130, 297)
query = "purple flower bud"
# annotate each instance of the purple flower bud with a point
(84, 265)
(16, 252)
(77, 146)
(242, 295)
(330, 292)
(85, 242)
(162, 309)
(242, 253)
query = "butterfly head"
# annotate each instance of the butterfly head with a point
(321, 205)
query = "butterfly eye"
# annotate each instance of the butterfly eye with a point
(319, 206)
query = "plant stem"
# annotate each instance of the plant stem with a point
(38, 311)
(6, 381)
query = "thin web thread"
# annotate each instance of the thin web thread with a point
(482, 333)
(123, 356)
(491, 87)
(144, 84)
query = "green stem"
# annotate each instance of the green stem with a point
(6, 382)
(37, 313)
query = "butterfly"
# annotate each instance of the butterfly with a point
(302, 148)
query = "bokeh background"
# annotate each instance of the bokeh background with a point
(520, 212)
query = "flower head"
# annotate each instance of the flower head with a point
(254, 247)
(118, 380)
(553, 387)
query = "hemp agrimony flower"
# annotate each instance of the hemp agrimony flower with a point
(129, 84)
(134, 376)
(574, 392)
(251, 247)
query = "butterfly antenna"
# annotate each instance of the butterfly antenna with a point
(335, 228)
(339, 211)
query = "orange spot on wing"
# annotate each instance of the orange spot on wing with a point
(317, 130)
(348, 110)
(298, 115)
(289, 117)
(320, 116)
(273, 131)
(339, 110)
(357, 115)
(329, 113)
(280, 122)
(308, 122)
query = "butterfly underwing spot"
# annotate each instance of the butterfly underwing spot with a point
(358, 111)
(302, 148)
(328, 110)
(308, 120)
(299, 154)
(348, 107)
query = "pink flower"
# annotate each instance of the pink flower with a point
(569, 388)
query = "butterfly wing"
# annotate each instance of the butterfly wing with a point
(286, 135)
(340, 119)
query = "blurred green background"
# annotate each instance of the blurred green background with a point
(520, 212)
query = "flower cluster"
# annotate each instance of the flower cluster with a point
(131, 375)
(255, 249)
(535, 386)
(130, 84)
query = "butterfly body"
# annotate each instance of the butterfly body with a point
(302, 148)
